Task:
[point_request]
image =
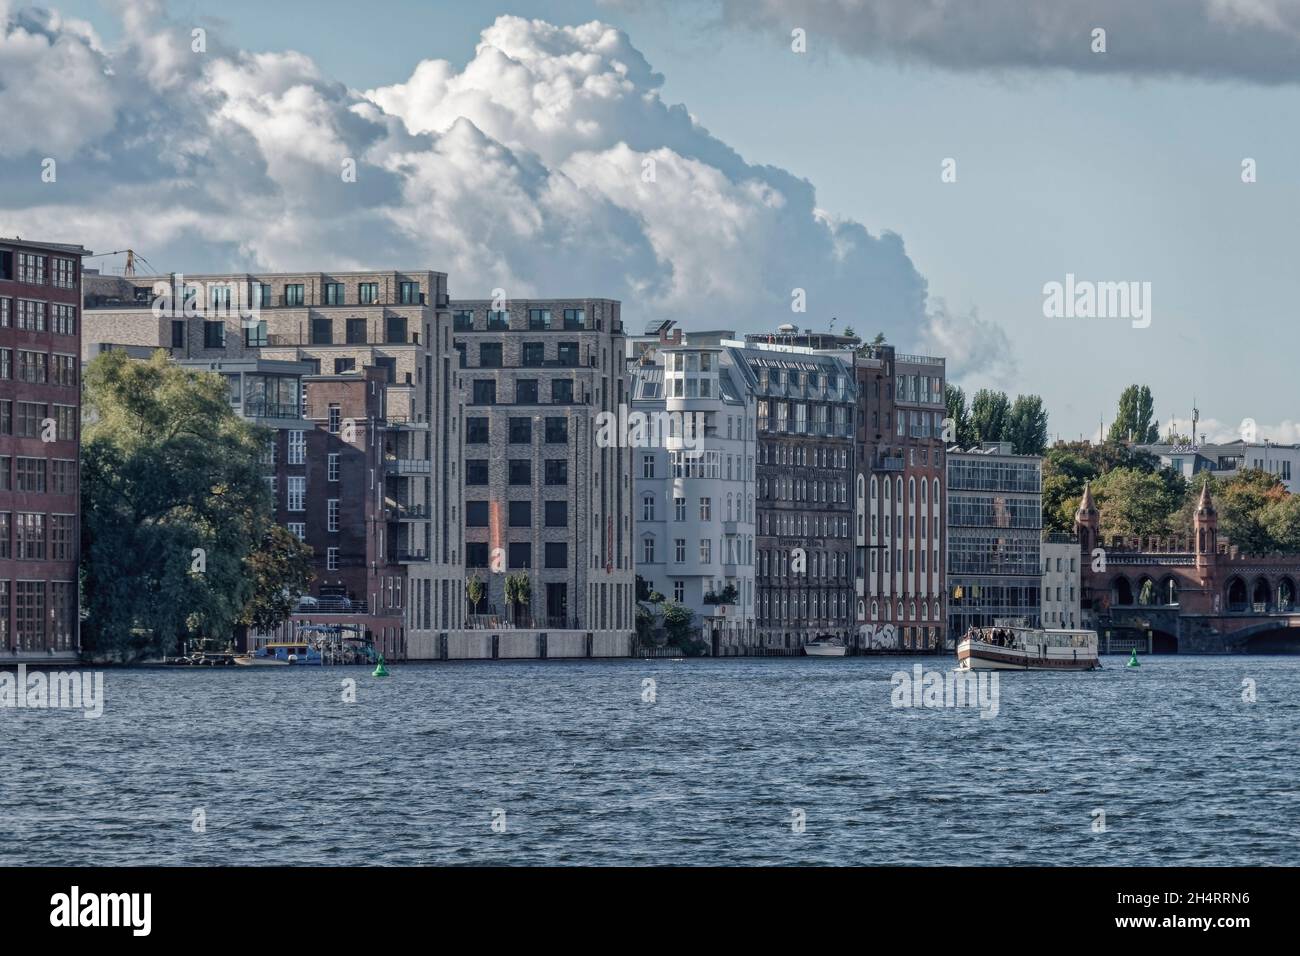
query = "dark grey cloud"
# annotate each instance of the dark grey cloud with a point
(1256, 41)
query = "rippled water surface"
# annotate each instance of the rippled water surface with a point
(711, 772)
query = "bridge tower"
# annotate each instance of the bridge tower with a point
(1205, 525)
(1087, 524)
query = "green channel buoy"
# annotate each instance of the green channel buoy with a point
(380, 669)
(1133, 659)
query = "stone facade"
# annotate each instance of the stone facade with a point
(40, 441)
(900, 525)
(542, 497)
(805, 401)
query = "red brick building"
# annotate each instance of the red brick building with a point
(40, 416)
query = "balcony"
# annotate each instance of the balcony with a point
(273, 410)
(404, 422)
(887, 464)
(410, 466)
(409, 557)
(407, 513)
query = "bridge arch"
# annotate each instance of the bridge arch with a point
(1169, 589)
(1268, 638)
(1261, 595)
(1235, 594)
(1121, 592)
(1285, 593)
(1146, 591)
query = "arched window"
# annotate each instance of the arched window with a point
(936, 491)
(873, 487)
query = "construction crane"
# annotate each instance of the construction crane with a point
(131, 257)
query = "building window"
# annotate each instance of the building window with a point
(368, 293)
(322, 331)
(395, 330)
(498, 321)
(539, 318)
(521, 431)
(557, 431)
(334, 293)
(557, 514)
(476, 431)
(485, 392)
(679, 591)
(65, 319)
(521, 471)
(335, 419)
(648, 550)
(355, 331)
(333, 514)
(557, 472)
(534, 355)
(297, 448)
(476, 471)
(31, 315)
(562, 391)
(526, 391)
(679, 550)
(521, 514)
(489, 355)
(293, 294)
(331, 559)
(462, 321)
(575, 319)
(297, 490)
(520, 554)
(706, 551)
(30, 540)
(332, 473)
(557, 554)
(679, 509)
(254, 334)
(647, 466)
(648, 508)
(214, 335)
(706, 509)
(299, 529)
(476, 514)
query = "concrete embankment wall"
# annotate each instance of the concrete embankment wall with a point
(520, 645)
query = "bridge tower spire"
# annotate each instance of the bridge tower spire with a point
(1087, 523)
(1205, 525)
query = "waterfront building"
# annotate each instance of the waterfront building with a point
(40, 435)
(803, 562)
(995, 518)
(899, 494)
(1060, 606)
(1224, 460)
(547, 498)
(695, 486)
(339, 324)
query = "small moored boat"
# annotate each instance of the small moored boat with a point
(825, 647)
(1027, 649)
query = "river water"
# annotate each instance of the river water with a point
(738, 761)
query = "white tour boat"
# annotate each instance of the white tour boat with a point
(1027, 649)
(825, 647)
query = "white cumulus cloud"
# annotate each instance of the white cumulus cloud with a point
(549, 165)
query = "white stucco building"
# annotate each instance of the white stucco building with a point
(694, 491)
(1060, 556)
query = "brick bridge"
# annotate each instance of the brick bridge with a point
(1191, 595)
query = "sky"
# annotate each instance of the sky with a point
(684, 158)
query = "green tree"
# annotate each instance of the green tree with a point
(280, 568)
(174, 509)
(519, 593)
(962, 434)
(474, 592)
(990, 412)
(1252, 508)
(680, 630)
(1134, 502)
(1134, 420)
(1026, 427)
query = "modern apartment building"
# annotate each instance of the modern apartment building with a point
(696, 487)
(340, 324)
(899, 494)
(1061, 594)
(40, 417)
(545, 501)
(803, 560)
(995, 519)
(1226, 459)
